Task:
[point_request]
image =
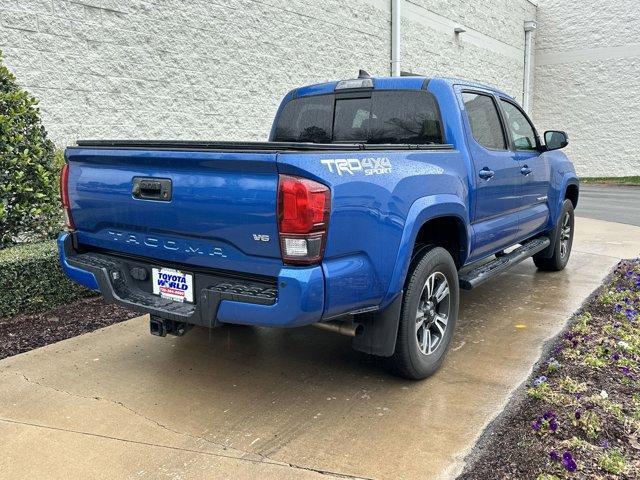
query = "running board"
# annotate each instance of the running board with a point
(471, 278)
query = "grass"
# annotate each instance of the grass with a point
(635, 180)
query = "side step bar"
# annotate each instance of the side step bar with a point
(472, 277)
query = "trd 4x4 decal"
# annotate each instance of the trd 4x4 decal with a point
(352, 166)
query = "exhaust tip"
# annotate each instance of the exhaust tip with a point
(343, 328)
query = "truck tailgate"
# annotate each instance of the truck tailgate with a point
(217, 209)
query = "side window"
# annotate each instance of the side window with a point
(484, 120)
(522, 131)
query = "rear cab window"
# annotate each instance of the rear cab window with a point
(382, 117)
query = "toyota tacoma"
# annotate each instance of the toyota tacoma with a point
(373, 202)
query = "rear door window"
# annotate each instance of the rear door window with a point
(484, 120)
(391, 116)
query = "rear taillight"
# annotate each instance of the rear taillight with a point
(303, 218)
(64, 198)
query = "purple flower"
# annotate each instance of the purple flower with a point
(553, 425)
(536, 425)
(568, 462)
(539, 381)
(617, 308)
(554, 456)
(604, 444)
(615, 357)
(629, 313)
(549, 414)
(626, 371)
(578, 414)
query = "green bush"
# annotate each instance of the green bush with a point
(29, 166)
(31, 280)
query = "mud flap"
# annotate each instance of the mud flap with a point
(553, 236)
(380, 330)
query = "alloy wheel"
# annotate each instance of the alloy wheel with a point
(432, 314)
(565, 235)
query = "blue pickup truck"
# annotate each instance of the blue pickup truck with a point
(373, 202)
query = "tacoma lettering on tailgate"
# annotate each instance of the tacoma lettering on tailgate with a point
(173, 245)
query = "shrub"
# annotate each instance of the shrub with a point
(29, 165)
(31, 280)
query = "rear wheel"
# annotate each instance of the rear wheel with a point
(563, 244)
(428, 316)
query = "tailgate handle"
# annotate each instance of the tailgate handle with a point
(152, 189)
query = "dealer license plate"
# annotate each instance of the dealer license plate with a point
(173, 284)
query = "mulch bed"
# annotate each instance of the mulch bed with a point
(578, 417)
(25, 332)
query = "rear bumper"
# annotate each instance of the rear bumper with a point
(294, 298)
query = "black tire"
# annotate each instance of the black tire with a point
(409, 360)
(563, 243)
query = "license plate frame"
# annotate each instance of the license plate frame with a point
(172, 284)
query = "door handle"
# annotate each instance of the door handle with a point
(525, 170)
(486, 174)
(151, 189)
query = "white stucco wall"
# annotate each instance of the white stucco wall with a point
(201, 69)
(197, 69)
(491, 50)
(587, 81)
(192, 69)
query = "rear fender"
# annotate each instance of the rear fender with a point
(423, 210)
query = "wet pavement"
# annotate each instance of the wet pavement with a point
(260, 403)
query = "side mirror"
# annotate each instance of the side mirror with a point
(555, 139)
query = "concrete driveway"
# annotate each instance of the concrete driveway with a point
(257, 403)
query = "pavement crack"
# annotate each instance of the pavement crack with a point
(144, 417)
(246, 456)
(327, 472)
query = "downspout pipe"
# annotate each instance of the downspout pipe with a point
(529, 27)
(395, 37)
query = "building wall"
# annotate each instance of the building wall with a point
(491, 50)
(196, 69)
(190, 69)
(586, 81)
